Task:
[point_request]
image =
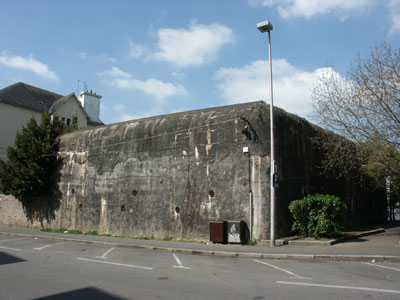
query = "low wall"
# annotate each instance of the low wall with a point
(13, 214)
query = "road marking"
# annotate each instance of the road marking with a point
(344, 287)
(104, 256)
(280, 269)
(115, 264)
(375, 265)
(6, 248)
(178, 261)
(12, 240)
(41, 248)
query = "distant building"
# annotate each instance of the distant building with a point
(20, 102)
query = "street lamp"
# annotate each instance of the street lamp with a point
(266, 26)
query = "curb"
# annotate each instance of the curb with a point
(276, 256)
(329, 242)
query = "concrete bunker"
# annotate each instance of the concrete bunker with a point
(170, 175)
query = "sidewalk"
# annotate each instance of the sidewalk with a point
(379, 247)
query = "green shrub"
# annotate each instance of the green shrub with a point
(318, 215)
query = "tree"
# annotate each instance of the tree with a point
(29, 171)
(363, 107)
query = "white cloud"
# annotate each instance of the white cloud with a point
(394, 6)
(106, 57)
(100, 57)
(292, 86)
(114, 72)
(196, 46)
(82, 55)
(136, 50)
(30, 63)
(156, 88)
(124, 115)
(309, 8)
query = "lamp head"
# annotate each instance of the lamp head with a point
(265, 26)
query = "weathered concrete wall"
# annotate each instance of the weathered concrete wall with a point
(167, 175)
(170, 175)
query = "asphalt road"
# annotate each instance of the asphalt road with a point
(40, 268)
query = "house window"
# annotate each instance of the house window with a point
(68, 122)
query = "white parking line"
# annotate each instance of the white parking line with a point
(115, 264)
(12, 240)
(375, 265)
(104, 256)
(280, 269)
(6, 248)
(344, 287)
(41, 248)
(178, 261)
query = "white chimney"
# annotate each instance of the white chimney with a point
(91, 104)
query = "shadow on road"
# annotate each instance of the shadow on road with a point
(85, 293)
(6, 259)
(356, 240)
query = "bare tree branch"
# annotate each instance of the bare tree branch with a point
(363, 107)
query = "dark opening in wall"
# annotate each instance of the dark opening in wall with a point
(123, 207)
(134, 193)
(80, 206)
(73, 191)
(212, 194)
(177, 210)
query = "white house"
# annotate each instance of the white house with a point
(20, 102)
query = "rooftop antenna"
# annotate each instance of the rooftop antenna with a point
(84, 87)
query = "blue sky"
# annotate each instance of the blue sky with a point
(156, 57)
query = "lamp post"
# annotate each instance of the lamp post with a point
(266, 26)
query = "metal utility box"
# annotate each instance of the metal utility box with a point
(218, 233)
(236, 232)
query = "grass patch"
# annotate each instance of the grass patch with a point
(167, 239)
(91, 233)
(143, 238)
(252, 242)
(60, 230)
(74, 231)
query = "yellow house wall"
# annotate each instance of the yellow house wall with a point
(12, 119)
